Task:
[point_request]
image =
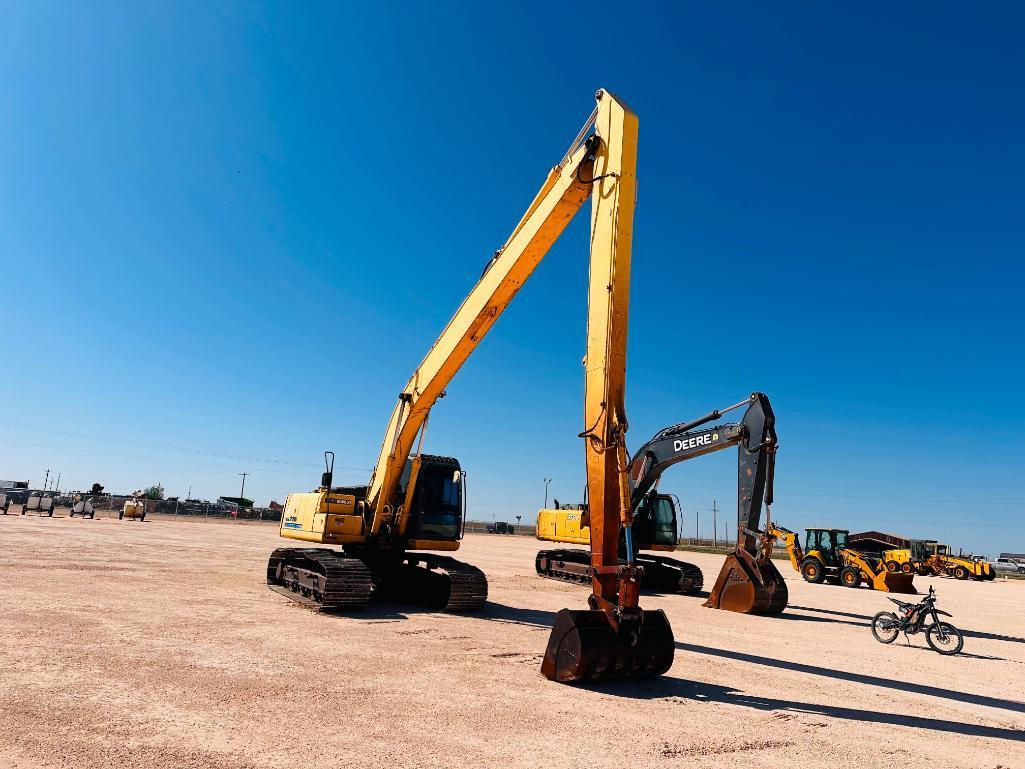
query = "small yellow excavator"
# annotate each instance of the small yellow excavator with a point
(654, 526)
(827, 558)
(414, 502)
(655, 515)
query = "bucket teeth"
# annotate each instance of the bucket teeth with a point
(584, 646)
(748, 586)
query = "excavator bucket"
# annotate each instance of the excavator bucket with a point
(748, 586)
(584, 646)
(894, 582)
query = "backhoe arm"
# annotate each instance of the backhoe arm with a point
(789, 539)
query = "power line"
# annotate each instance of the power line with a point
(145, 445)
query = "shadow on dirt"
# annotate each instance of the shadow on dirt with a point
(664, 688)
(858, 678)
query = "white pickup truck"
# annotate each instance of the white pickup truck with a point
(1008, 566)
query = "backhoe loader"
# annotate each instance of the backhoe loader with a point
(416, 504)
(826, 557)
(760, 589)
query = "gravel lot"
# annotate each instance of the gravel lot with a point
(157, 644)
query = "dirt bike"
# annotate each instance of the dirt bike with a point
(942, 637)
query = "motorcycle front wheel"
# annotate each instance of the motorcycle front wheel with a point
(885, 627)
(944, 638)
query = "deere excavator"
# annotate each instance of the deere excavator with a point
(749, 582)
(826, 557)
(415, 502)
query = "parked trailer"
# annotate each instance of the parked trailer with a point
(39, 504)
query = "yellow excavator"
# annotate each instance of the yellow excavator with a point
(415, 502)
(762, 589)
(827, 558)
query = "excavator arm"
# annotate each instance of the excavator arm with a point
(748, 582)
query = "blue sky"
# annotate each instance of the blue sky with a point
(228, 235)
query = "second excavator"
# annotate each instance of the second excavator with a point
(760, 589)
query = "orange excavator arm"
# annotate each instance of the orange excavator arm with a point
(614, 637)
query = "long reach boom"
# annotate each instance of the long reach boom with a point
(418, 503)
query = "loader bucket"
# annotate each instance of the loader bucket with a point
(584, 646)
(895, 582)
(748, 586)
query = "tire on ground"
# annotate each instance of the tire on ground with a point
(813, 571)
(851, 576)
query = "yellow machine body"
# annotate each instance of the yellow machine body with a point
(877, 576)
(134, 508)
(571, 526)
(318, 516)
(963, 567)
(900, 556)
(816, 564)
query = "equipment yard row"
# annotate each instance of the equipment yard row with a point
(160, 645)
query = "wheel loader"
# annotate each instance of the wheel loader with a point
(749, 582)
(827, 558)
(379, 538)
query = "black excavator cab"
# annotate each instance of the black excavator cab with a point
(655, 521)
(438, 506)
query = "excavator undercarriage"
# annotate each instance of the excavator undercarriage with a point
(661, 574)
(330, 580)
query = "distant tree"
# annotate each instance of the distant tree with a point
(96, 489)
(154, 492)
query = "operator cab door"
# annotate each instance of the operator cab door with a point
(655, 521)
(436, 509)
(822, 541)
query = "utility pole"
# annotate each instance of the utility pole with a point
(242, 494)
(547, 481)
(697, 527)
(715, 533)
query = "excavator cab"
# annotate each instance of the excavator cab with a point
(655, 521)
(435, 502)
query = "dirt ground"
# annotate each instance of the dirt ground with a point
(157, 644)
